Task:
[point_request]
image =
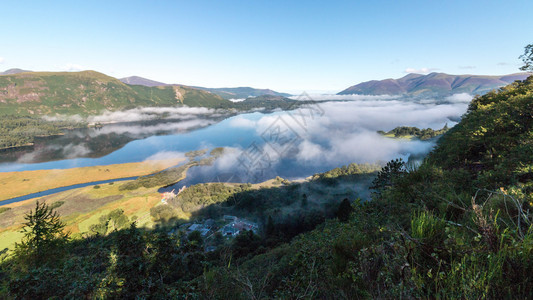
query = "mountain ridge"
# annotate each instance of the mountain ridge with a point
(242, 92)
(137, 80)
(90, 92)
(14, 71)
(433, 84)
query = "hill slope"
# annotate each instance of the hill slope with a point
(457, 226)
(136, 80)
(13, 71)
(226, 93)
(90, 92)
(434, 84)
(242, 92)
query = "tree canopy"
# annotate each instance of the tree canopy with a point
(527, 58)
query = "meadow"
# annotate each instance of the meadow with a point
(14, 184)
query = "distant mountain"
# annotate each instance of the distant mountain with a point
(90, 92)
(226, 93)
(433, 84)
(242, 92)
(136, 80)
(13, 71)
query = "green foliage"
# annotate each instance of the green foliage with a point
(17, 131)
(494, 139)
(195, 238)
(163, 213)
(352, 169)
(527, 58)
(56, 204)
(164, 178)
(130, 266)
(90, 92)
(345, 210)
(423, 134)
(115, 220)
(458, 226)
(388, 174)
(43, 237)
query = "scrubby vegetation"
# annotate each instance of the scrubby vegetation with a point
(17, 131)
(163, 178)
(458, 226)
(422, 134)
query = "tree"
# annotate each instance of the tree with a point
(527, 58)
(386, 176)
(44, 237)
(304, 200)
(345, 210)
(130, 267)
(195, 238)
(270, 226)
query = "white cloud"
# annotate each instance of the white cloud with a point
(353, 97)
(164, 155)
(2, 60)
(151, 113)
(420, 71)
(135, 130)
(462, 98)
(240, 121)
(72, 67)
(73, 151)
(346, 131)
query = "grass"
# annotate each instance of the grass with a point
(9, 238)
(82, 208)
(403, 137)
(14, 184)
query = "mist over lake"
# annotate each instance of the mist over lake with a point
(291, 144)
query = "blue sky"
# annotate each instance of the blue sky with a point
(284, 45)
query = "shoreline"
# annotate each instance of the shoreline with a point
(21, 183)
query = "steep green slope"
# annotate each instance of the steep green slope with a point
(457, 227)
(90, 92)
(495, 138)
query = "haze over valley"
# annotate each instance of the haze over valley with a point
(266, 150)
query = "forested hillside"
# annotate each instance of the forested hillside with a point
(457, 226)
(90, 92)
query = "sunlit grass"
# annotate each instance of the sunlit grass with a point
(15, 184)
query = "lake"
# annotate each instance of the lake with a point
(291, 144)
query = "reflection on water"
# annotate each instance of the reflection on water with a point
(99, 142)
(293, 144)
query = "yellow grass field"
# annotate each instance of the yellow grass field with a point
(82, 207)
(15, 184)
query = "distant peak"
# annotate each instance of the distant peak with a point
(137, 80)
(14, 71)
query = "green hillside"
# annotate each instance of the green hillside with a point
(242, 92)
(457, 226)
(90, 92)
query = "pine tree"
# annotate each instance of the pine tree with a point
(44, 237)
(345, 210)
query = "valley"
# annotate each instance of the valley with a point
(255, 150)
